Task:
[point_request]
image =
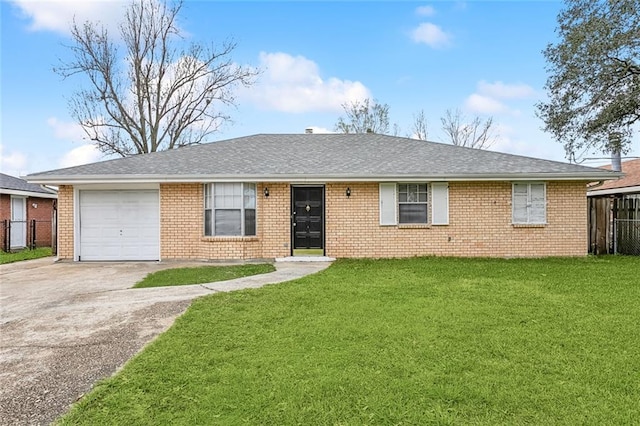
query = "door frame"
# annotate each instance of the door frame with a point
(292, 209)
(22, 225)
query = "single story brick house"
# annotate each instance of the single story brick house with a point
(21, 203)
(340, 195)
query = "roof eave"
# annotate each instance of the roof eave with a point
(612, 191)
(22, 193)
(123, 179)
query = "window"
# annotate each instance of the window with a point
(529, 204)
(230, 209)
(412, 203)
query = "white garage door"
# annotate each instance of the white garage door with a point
(119, 225)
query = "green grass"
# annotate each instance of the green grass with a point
(396, 342)
(202, 274)
(24, 255)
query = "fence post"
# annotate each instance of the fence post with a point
(615, 236)
(5, 245)
(32, 243)
(8, 236)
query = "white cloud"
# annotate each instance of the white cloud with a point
(83, 154)
(431, 35)
(484, 104)
(66, 130)
(293, 84)
(506, 91)
(523, 138)
(489, 97)
(12, 163)
(425, 11)
(72, 132)
(57, 15)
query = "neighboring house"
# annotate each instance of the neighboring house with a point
(614, 213)
(338, 195)
(24, 205)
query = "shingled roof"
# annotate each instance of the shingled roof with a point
(630, 183)
(14, 185)
(320, 157)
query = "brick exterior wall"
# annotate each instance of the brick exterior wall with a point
(43, 215)
(479, 224)
(182, 225)
(5, 214)
(65, 222)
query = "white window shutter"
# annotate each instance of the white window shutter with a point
(388, 207)
(440, 203)
(538, 204)
(529, 203)
(519, 203)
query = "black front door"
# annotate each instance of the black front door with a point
(307, 217)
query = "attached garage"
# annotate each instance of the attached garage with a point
(119, 225)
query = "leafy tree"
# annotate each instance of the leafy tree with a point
(473, 134)
(160, 93)
(367, 116)
(594, 75)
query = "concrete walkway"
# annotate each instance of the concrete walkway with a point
(63, 326)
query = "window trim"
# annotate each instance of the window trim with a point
(426, 203)
(530, 221)
(209, 205)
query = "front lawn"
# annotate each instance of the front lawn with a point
(412, 341)
(202, 274)
(25, 254)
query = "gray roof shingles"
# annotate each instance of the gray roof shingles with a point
(16, 184)
(349, 155)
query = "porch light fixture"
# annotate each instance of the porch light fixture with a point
(266, 191)
(348, 192)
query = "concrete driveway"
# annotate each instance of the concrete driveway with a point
(63, 326)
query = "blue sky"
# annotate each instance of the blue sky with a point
(481, 57)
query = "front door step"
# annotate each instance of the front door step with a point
(305, 259)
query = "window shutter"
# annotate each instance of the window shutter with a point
(440, 203)
(519, 207)
(388, 204)
(537, 212)
(529, 203)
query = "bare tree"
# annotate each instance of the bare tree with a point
(419, 126)
(367, 116)
(160, 93)
(473, 134)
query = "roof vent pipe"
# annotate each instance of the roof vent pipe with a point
(615, 140)
(616, 161)
(308, 130)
